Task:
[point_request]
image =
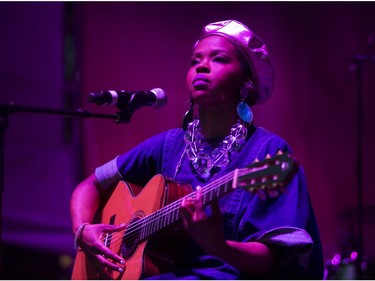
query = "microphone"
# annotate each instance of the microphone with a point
(131, 100)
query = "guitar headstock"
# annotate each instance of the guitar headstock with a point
(267, 174)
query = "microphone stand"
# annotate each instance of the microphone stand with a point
(123, 116)
(358, 61)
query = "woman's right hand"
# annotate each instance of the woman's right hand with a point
(91, 243)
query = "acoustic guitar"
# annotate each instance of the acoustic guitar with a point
(151, 240)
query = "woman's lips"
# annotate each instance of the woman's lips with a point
(200, 80)
(198, 83)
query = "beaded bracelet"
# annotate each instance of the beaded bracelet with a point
(78, 234)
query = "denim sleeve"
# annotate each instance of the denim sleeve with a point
(298, 242)
(137, 166)
(108, 174)
(286, 222)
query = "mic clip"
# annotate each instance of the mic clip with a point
(127, 109)
(124, 114)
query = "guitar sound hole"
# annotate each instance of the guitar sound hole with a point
(131, 239)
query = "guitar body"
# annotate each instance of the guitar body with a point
(129, 203)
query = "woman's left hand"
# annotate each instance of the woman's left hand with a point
(206, 230)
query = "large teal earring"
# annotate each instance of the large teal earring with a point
(243, 109)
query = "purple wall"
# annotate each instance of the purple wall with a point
(41, 163)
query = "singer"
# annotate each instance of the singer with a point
(191, 185)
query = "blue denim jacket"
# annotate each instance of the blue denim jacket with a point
(286, 222)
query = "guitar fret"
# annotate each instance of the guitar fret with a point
(158, 222)
(142, 234)
(148, 228)
(149, 232)
(154, 226)
(174, 215)
(145, 229)
(165, 220)
(168, 220)
(162, 221)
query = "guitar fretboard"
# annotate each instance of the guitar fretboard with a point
(267, 173)
(149, 225)
(171, 213)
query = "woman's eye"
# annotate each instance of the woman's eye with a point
(220, 59)
(194, 61)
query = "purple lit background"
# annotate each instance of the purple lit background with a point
(137, 46)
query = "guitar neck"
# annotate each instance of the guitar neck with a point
(266, 174)
(171, 213)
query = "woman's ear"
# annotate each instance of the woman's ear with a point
(246, 89)
(248, 92)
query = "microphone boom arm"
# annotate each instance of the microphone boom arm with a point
(13, 108)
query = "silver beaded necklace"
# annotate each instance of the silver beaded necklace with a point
(205, 159)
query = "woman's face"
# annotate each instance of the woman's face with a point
(215, 75)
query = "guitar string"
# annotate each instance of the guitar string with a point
(172, 207)
(131, 236)
(206, 190)
(164, 212)
(133, 232)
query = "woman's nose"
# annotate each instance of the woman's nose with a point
(203, 66)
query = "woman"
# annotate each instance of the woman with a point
(240, 234)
